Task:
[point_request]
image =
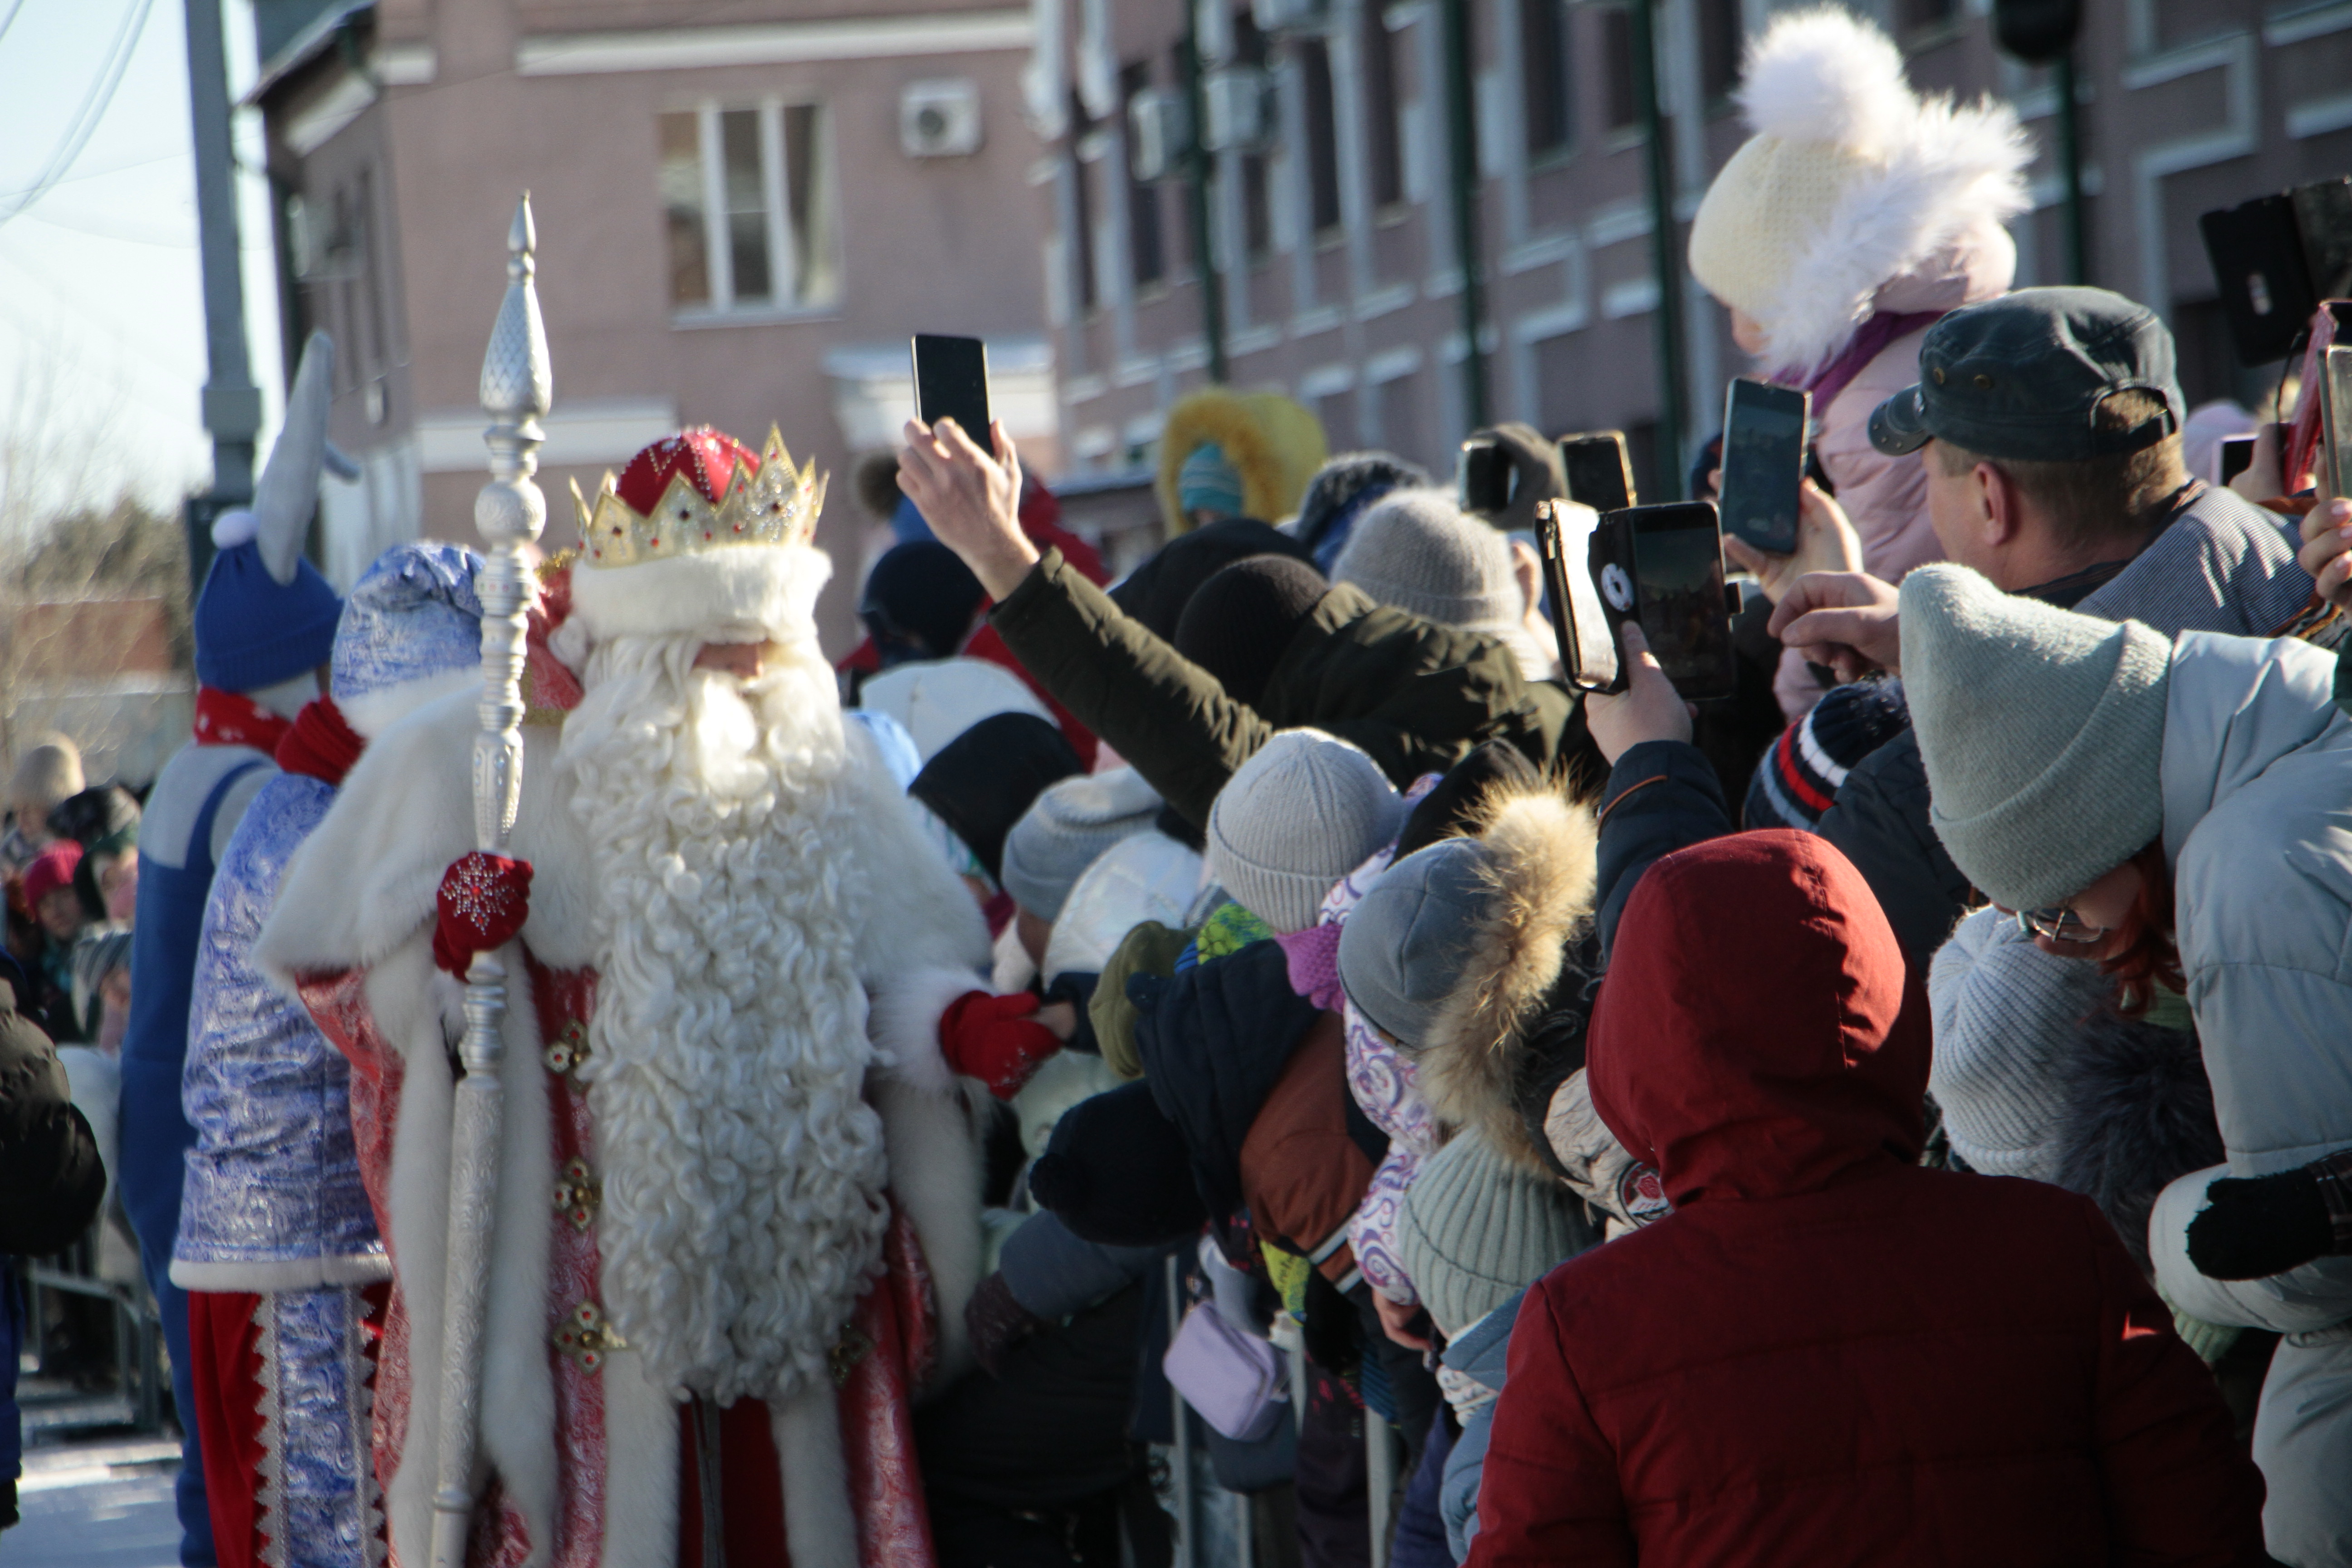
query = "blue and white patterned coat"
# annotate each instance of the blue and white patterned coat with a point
(273, 1199)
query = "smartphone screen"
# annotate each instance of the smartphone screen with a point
(1678, 576)
(1763, 461)
(951, 383)
(2237, 454)
(1599, 474)
(1588, 646)
(1484, 477)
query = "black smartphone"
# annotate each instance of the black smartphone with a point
(951, 383)
(1600, 472)
(1483, 472)
(2237, 456)
(2274, 258)
(1666, 571)
(1587, 636)
(1763, 461)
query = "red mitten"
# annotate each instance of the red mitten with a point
(484, 900)
(996, 1039)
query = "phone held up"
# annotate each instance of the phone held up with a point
(1600, 470)
(1659, 566)
(1764, 429)
(951, 383)
(1483, 476)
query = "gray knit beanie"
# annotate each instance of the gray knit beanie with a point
(2009, 1024)
(1066, 831)
(1401, 948)
(1477, 1229)
(1418, 551)
(1302, 812)
(2042, 731)
(47, 775)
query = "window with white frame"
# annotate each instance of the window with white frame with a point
(748, 195)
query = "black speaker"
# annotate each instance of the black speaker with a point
(2036, 31)
(2275, 259)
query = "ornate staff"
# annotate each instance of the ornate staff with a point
(509, 513)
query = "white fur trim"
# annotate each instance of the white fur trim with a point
(914, 913)
(820, 1526)
(1822, 75)
(1963, 165)
(1912, 176)
(416, 1008)
(904, 1022)
(372, 712)
(518, 1418)
(284, 1274)
(772, 587)
(641, 1461)
(234, 527)
(932, 1142)
(399, 995)
(365, 880)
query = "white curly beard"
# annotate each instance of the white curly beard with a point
(743, 1173)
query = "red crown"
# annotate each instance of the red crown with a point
(698, 489)
(706, 457)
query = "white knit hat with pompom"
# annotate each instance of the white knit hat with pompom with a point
(1850, 181)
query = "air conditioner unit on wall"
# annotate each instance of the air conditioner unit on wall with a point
(1239, 109)
(1291, 15)
(940, 119)
(1159, 134)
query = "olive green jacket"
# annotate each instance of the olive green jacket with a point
(1414, 694)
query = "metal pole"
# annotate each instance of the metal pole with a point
(1668, 480)
(232, 404)
(2070, 156)
(516, 390)
(1461, 150)
(1200, 168)
(1379, 1482)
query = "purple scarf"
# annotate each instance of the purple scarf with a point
(1882, 328)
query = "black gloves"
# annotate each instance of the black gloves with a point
(2253, 1229)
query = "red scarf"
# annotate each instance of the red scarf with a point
(320, 743)
(232, 719)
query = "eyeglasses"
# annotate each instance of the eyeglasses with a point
(2059, 925)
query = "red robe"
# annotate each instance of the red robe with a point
(889, 1347)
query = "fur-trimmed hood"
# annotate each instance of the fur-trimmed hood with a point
(1851, 182)
(1274, 444)
(1527, 952)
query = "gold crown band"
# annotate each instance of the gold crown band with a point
(778, 505)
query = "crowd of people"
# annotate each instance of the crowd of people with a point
(1099, 1045)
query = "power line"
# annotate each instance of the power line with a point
(84, 123)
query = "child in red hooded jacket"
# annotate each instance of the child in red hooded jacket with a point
(1827, 1354)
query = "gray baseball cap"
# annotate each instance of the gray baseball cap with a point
(2023, 377)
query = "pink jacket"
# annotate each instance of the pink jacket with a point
(1887, 497)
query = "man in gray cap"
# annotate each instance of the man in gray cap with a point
(2050, 420)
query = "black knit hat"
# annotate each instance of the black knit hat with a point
(1157, 592)
(1238, 625)
(1453, 808)
(1348, 484)
(981, 781)
(1118, 1172)
(919, 600)
(1798, 776)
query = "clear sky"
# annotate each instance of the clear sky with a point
(101, 321)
